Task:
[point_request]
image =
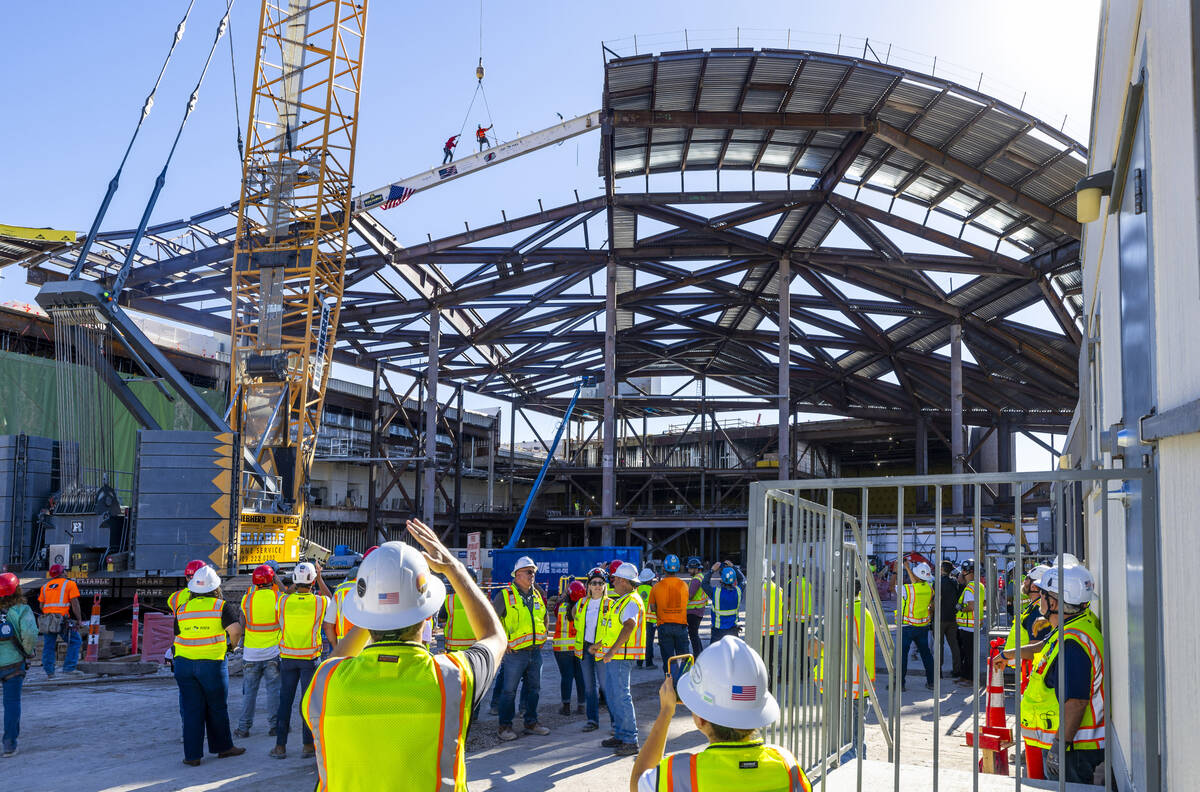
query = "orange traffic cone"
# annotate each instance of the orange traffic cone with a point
(93, 647)
(995, 738)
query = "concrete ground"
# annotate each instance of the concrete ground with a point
(122, 735)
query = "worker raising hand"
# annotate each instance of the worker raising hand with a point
(436, 555)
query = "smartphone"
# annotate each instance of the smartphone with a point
(677, 666)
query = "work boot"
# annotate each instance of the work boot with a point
(308, 752)
(566, 708)
(538, 729)
(626, 749)
(236, 750)
(578, 709)
(241, 734)
(589, 726)
(278, 752)
(273, 731)
(610, 742)
(188, 762)
(507, 734)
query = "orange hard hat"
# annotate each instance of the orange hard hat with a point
(263, 575)
(56, 570)
(192, 567)
(576, 591)
(8, 584)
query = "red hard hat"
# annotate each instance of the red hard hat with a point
(577, 591)
(263, 575)
(370, 550)
(612, 566)
(8, 584)
(192, 567)
(56, 570)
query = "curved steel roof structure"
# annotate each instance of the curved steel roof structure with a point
(902, 204)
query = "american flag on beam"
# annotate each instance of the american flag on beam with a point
(396, 196)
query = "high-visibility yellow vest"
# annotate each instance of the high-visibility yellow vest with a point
(1039, 703)
(459, 635)
(804, 599)
(259, 606)
(916, 598)
(178, 599)
(698, 601)
(635, 647)
(581, 623)
(967, 616)
(300, 617)
(746, 767)
(365, 709)
(525, 628)
(1019, 624)
(864, 635)
(563, 638)
(772, 609)
(643, 591)
(201, 636)
(341, 624)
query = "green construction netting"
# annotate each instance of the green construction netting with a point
(29, 405)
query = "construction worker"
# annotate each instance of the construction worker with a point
(589, 613)
(624, 643)
(727, 693)
(448, 149)
(570, 669)
(376, 705)
(201, 626)
(301, 618)
(772, 618)
(458, 634)
(260, 649)
(340, 625)
(726, 600)
(859, 624)
(697, 603)
(176, 600)
(645, 583)
(1074, 716)
(58, 599)
(522, 608)
(481, 136)
(945, 611)
(18, 635)
(916, 601)
(1030, 626)
(969, 615)
(669, 603)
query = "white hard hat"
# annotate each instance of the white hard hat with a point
(1035, 574)
(627, 571)
(522, 563)
(923, 571)
(394, 589)
(1066, 559)
(768, 573)
(728, 686)
(204, 580)
(646, 576)
(304, 574)
(1075, 588)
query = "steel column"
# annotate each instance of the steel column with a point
(429, 500)
(956, 411)
(373, 465)
(608, 460)
(784, 278)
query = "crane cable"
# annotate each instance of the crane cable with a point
(479, 89)
(116, 179)
(237, 113)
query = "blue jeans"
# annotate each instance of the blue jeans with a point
(50, 644)
(253, 672)
(12, 710)
(591, 688)
(673, 640)
(498, 688)
(293, 674)
(620, 701)
(650, 630)
(204, 690)
(920, 637)
(569, 670)
(521, 666)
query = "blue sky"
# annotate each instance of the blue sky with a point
(76, 76)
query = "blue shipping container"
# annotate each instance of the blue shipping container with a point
(555, 562)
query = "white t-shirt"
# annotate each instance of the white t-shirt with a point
(591, 619)
(257, 655)
(427, 631)
(649, 781)
(630, 612)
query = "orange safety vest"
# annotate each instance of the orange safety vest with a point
(54, 597)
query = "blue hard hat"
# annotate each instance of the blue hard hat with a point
(729, 576)
(693, 561)
(671, 563)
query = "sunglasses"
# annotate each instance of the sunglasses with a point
(595, 582)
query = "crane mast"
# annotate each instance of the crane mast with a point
(293, 227)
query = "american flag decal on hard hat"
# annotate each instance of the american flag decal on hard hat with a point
(389, 598)
(744, 693)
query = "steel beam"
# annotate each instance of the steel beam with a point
(676, 119)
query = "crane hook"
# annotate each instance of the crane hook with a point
(479, 71)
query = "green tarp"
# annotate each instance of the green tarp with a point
(29, 404)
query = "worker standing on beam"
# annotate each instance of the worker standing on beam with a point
(646, 582)
(727, 693)
(522, 608)
(481, 136)
(448, 149)
(59, 598)
(668, 603)
(697, 603)
(916, 600)
(301, 617)
(726, 600)
(624, 643)
(260, 649)
(381, 686)
(969, 618)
